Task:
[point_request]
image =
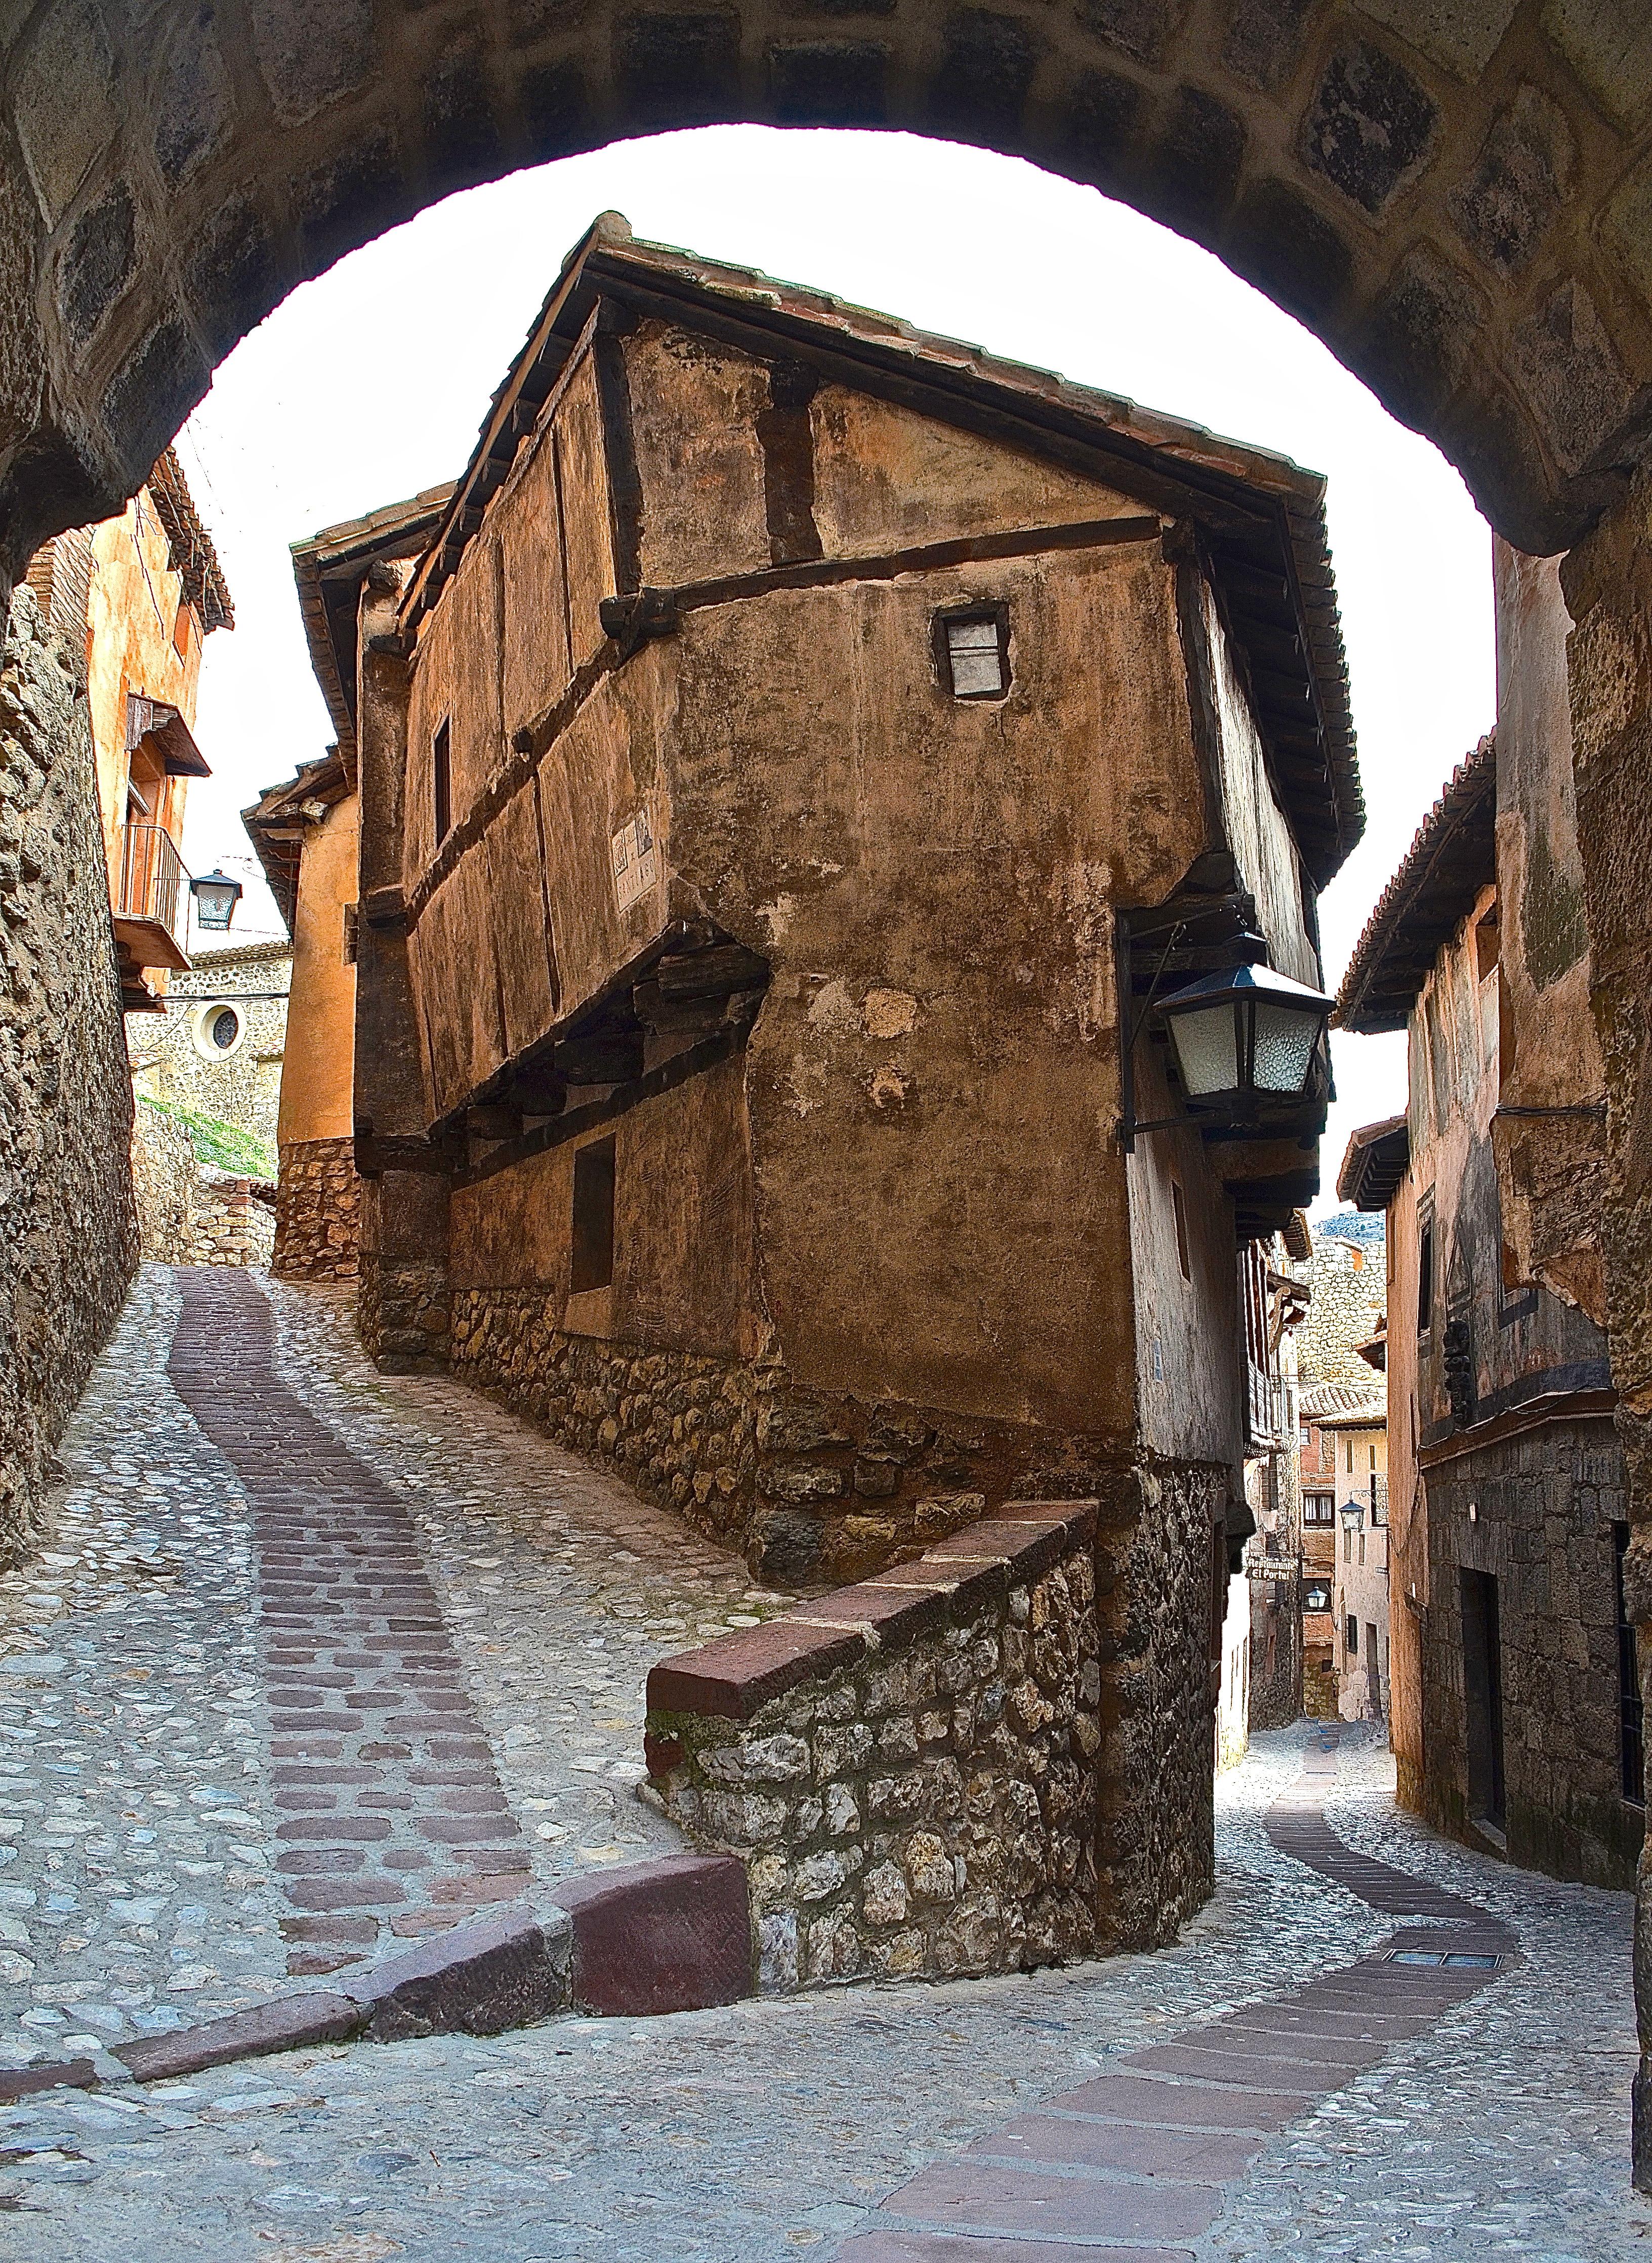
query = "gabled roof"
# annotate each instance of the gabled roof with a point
(1377, 1159)
(1260, 518)
(330, 568)
(1452, 857)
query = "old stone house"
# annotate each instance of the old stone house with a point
(306, 831)
(1515, 1705)
(799, 761)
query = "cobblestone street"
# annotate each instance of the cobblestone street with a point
(142, 1813)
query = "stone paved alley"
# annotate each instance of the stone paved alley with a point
(144, 1833)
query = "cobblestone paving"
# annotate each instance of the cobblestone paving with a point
(756, 2132)
(559, 1588)
(134, 1829)
(389, 1812)
(137, 1819)
(769, 2129)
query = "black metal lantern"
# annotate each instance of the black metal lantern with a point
(216, 896)
(1245, 1039)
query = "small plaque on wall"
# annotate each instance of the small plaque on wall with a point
(636, 860)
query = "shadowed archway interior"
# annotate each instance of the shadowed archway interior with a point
(1457, 199)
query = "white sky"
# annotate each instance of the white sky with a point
(371, 383)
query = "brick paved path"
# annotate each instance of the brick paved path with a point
(773, 2129)
(389, 1810)
(1136, 2165)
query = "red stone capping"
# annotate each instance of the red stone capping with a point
(669, 1936)
(733, 1678)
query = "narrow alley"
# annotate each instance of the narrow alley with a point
(228, 1767)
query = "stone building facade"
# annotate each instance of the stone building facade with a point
(739, 1030)
(216, 1046)
(1515, 1704)
(69, 1244)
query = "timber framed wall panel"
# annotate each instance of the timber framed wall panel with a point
(535, 647)
(520, 922)
(581, 465)
(456, 985)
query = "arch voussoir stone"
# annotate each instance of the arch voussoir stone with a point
(1459, 202)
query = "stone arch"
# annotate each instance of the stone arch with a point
(1456, 195)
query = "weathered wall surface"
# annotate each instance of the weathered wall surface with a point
(1545, 1502)
(1276, 1645)
(319, 1059)
(1543, 1491)
(927, 1807)
(70, 1244)
(175, 1056)
(1551, 1160)
(188, 1214)
(318, 1211)
(1348, 1297)
(1607, 583)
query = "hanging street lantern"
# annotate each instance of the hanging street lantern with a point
(1246, 1041)
(216, 896)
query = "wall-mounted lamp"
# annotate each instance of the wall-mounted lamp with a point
(1244, 1038)
(216, 896)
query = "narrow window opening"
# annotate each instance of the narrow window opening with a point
(1179, 1208)
(1352, 1636)
(1425, 1278)
(593, 1261)
(442, 780)
(974, 653)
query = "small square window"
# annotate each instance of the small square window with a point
(974, 652)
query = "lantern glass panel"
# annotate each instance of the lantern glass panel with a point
(215, 901)
(1206, 1048)
(1284, 1047)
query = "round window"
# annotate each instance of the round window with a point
(220, 1028)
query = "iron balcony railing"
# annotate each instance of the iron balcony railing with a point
(152, 878)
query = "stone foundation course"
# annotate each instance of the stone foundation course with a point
(909, 1768)
(318, 1211)
(812, 1489)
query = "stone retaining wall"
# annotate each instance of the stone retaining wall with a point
(909, 1768)
(318, 1211)
(230, 1224)
(188, 1215)
(68, 1242)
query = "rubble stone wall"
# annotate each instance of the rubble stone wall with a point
(1546, 1506)
(910, 1769)
(68, 1244)
(318, 1211)
(188, 1215)
(812, 1489)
